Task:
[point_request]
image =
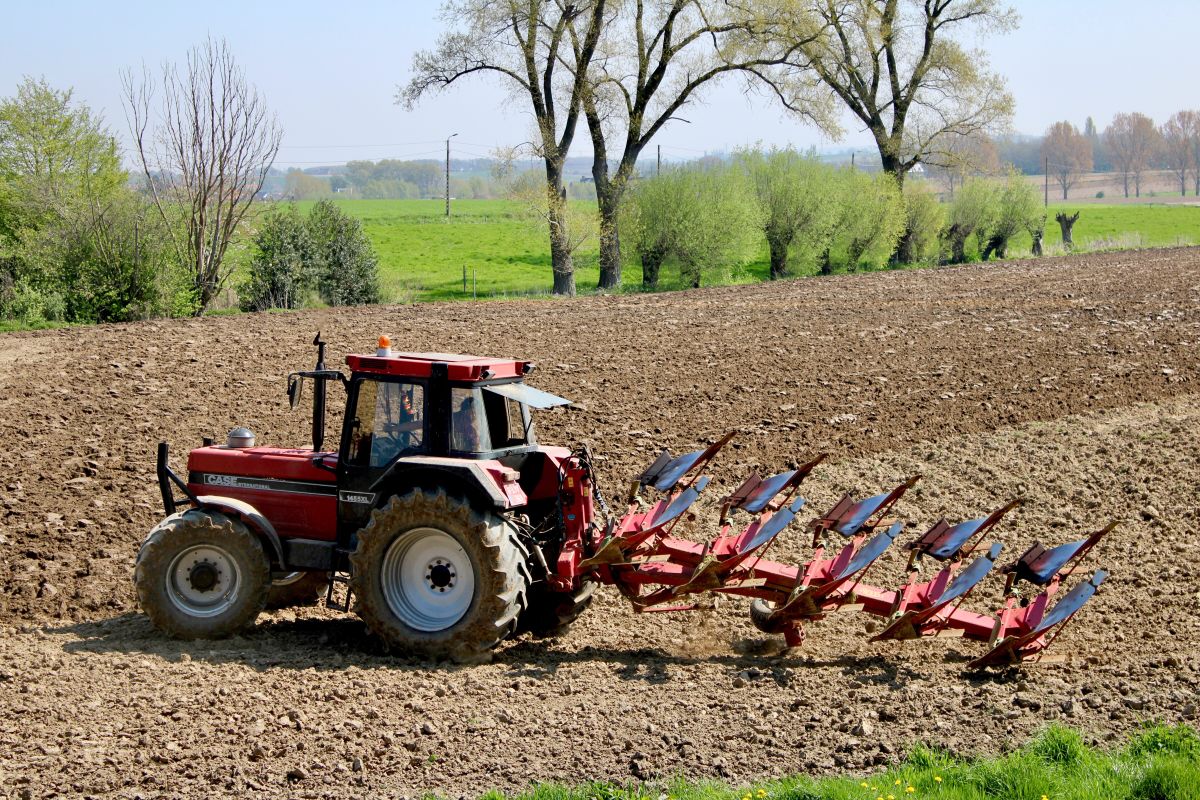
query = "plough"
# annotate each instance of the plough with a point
(451, 529)
(659, 572)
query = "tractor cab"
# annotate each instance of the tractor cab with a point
(460, 424)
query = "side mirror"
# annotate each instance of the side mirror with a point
(294, 390)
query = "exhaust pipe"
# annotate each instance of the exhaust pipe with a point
(318, 418)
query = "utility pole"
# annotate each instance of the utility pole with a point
(1046, 181)
(448, 138)
(658, 168)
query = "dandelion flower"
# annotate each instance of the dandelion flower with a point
(937, 778)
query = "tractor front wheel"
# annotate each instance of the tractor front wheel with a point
(202, 575)
(433, 576)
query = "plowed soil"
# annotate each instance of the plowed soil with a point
(1071, 382)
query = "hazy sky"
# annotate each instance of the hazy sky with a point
(330, 71)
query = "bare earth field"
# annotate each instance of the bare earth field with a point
(1072, 382)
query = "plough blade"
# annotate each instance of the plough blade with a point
(814, 600)
(666, 471)
(1013, 649)
(929, 620)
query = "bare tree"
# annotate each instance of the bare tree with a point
(205, 148)
(1132, 141)
(899, 70)
(654, 58)
(1066, 224)
(961, 157)
(1067, 154)
(1180, 135)
(529, 44)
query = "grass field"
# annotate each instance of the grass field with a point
(1161, 763)
(422, 254)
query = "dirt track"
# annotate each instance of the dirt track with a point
(1072, 382)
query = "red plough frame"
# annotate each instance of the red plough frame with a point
(657, 571)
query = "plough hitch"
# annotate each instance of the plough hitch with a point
(659, 571)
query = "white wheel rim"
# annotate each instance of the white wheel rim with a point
(287, 579)
(203, 581)
(427, 579)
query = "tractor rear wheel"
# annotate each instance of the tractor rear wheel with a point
(433, 576)
(296, 589)
(202, 575)
(550, 614)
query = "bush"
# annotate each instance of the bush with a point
(326, 251)
(282, 268)
(871, 218)
(347, 271)
(1015, 208)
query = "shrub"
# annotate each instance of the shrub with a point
(347, 270)
(282, 269)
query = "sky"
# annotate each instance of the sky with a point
(330, 72)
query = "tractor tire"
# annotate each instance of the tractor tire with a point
(296, 589)
(550, 614)
(433, 576)
(202, 575)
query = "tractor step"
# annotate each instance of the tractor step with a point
(339, 576)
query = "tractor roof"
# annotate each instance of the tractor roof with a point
(459, 367)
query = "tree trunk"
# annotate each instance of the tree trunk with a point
(1066, 224)
(1037, 244)
(561, 261)
(609, 201)
(779, 258)
(825, 263)
(652, 261)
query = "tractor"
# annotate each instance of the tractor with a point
(449, 528)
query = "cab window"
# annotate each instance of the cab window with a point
(481, 421)
(388, 422)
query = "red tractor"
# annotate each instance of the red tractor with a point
(453, 529)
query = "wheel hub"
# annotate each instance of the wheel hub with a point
(427, 579)
(204, 580)
(204, 576)
(440, 574)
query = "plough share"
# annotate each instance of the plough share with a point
(658, 571)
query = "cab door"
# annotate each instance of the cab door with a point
(386, 419)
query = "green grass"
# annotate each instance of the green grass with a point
(1159, 763)
(422, 254)
(1104, 227)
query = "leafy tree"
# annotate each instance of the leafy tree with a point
(543, 50)
(705, 218)
(75, 242)
(1067, 154)
(299, 185)
(347, 270)
(282, 268)
(794, 195)
(971, 211)
(924, 218)
(1016, 208)
(652, 61)
(898, 68)
(870, 218)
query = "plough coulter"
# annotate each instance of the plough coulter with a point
(451, 529)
